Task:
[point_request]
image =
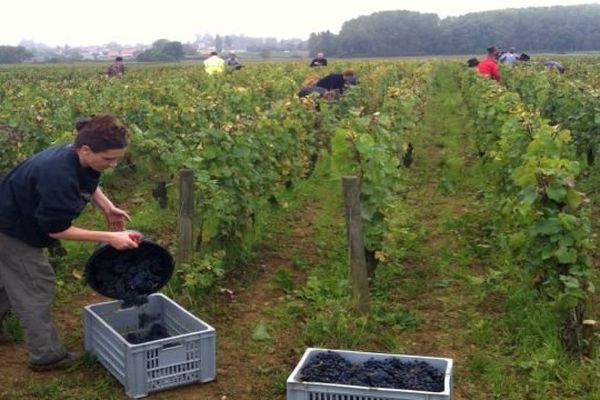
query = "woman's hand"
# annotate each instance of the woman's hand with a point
(124, 240)
(116, 218)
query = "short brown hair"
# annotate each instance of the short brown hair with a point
(100, 133)
(348, 72)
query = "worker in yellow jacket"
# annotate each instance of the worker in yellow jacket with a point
(214, 64)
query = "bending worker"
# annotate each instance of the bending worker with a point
(39, 199)
(332, 83)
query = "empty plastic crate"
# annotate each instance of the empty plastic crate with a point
(299, 390)
(186, 356)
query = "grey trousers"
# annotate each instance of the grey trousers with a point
(27, 287)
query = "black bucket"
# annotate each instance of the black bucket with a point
(131, 274)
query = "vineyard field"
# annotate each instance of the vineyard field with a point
(479, 206)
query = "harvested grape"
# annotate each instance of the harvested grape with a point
(391, 373)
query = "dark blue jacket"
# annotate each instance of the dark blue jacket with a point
(44, 194)
(332, 81)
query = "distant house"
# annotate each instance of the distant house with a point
(128, 52)
(125, 52)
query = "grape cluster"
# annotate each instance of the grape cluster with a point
(132, 299)
(157, 330)
(130, 275)
(145, 319)
(391, 373)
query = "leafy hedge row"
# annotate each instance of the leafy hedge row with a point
(571, 100)
(533, 171)
(377, 147)
(245, 135)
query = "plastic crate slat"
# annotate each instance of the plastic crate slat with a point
(175, 325)
(172, 370)
(195, 364)
(114, 359)
(104, 338)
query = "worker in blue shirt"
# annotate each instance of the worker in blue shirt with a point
(509, 58)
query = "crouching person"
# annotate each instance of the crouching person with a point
(329, 87)
(39, 199)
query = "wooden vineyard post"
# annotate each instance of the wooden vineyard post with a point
(185, 250)
(356, 249)
(589, 337)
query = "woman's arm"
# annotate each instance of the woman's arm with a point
(119, 240)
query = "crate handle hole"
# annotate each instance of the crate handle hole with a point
(172, 345)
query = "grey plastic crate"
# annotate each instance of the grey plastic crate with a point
(298, 390)
(187, 356)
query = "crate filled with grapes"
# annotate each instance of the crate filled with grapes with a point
(324, 374)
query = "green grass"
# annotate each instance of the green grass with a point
(13, 328)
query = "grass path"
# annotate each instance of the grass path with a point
(437, 282)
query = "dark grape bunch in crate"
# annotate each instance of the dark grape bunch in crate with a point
(330, 367)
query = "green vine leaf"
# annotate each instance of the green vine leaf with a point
(557, 193)
(529, 195)
(566, 255)
(548, 226)
(574, 199)
(569, 281)
(260, 333)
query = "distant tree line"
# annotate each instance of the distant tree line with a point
(400, 33)
(162, 50)
(39, 52)
(14, 54)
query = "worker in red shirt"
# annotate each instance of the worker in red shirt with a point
(488, 67)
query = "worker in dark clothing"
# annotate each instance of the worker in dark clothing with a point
(39, 199)
(117, 68)
(331, 85)
(524, 57)
(319, 61)
(472, 62)
(233, 63)
(337, 81)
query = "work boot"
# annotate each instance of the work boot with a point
(70, 359)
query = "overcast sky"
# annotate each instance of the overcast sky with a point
(82, 22)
